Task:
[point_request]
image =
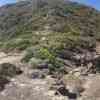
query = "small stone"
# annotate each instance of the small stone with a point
(43, 38)
(34, 74)
(90, 65)
(50, 93)
(77, 74)
(60, 98)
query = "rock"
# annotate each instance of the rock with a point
(3, 82)
(90, 65)
(66, 54)
(34, 74)
(79, 71)
(2, 54)
(91, 68)
(59, 98)
(78, 57)
(92, 88)
(62, 90)
(69, 86)
(73, 83)
(9, 70)
(90, 56)
(65, 92)
(77, 74)
(43, 65)
(56, 85)
(69, 63)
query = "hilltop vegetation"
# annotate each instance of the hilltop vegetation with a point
(21, 20)
(55, 29)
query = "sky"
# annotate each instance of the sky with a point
(3, 2)
(93, 3)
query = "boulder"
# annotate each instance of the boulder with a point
(69, 63)
(66, 54)
(9, 70)
(3, 82)
(73, 83)
(92, 88)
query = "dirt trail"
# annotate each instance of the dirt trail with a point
(23, 88)
(11, 58)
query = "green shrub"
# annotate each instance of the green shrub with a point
(41, 55)
(28, 55)
(18, 44)
(55, 63)
(44, 53)
(34, 62)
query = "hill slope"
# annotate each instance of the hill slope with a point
(56, 14)
(13, 16)
(50, 30)
(60, 39)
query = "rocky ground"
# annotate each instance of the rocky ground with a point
(22, 87)
(29, 85)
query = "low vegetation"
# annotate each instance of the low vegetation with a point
(47, 34)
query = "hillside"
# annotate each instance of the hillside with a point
(53, 30)
(13, 16)
(53, 16)
(49, 50)
(50, 29)
(58, 16)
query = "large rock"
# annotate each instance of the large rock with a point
(73, 84)
(9, 70)
(92, 88)
(3, 82)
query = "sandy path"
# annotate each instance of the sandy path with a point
(11, 58)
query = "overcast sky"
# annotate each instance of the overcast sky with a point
(93, 3)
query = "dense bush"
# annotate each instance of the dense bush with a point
(36, 57)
